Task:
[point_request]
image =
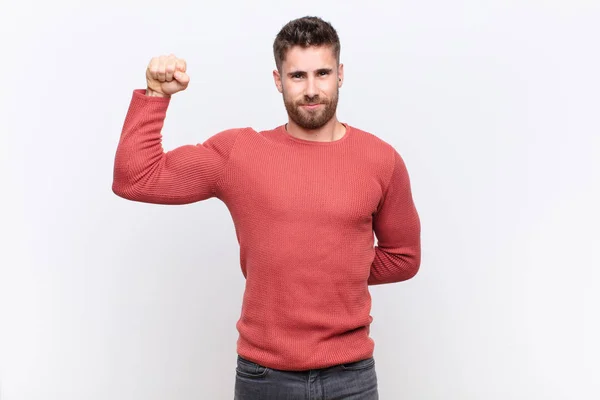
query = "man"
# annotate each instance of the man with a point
(306, 199)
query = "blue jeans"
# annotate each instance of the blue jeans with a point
(351, 381)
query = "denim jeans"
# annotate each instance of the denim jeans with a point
(351, 381)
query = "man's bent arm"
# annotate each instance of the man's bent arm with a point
(144, 172)
(398, 231)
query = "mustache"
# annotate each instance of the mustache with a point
(312, 100)
(312, 103)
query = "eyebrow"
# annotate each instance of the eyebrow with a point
(303, 73)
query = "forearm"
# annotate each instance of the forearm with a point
(140, 150)
(395, 265)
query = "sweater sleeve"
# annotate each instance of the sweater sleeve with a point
(397, 227)
(144, 172)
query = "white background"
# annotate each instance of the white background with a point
(494, 105)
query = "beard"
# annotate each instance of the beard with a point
(311, 119)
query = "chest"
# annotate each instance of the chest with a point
(291, 188)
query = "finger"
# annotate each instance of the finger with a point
(181, 65)
(170, 68)
(153, 68)
(161, 68)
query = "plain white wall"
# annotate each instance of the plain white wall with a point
(494, 106)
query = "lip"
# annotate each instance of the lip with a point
(312, 106)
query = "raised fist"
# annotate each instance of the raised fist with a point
(166, 75)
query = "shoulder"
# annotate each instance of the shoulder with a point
(389, 162)
(223, 142)
(230, 134)
(375, 148)
(228, 137)
(370, 139)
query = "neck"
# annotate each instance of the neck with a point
(331, 131)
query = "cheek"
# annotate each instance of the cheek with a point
(290, 92)
(329, 92)
(329, 87)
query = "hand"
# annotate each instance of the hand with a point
(166, 75)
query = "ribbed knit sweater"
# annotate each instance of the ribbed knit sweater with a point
(305, 216)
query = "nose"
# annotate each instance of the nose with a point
(311, 89)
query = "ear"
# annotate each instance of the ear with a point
(277, 79)
(340, 75)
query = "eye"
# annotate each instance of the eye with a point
(323, 73)
(297, 76)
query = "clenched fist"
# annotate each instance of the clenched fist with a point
(166, 75)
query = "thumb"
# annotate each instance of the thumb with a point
(182, 77)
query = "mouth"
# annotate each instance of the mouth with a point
(312, 106)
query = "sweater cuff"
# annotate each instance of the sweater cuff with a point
(140, 94)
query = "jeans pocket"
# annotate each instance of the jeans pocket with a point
(358, 365)
(248, 369)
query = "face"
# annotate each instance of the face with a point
(309, 81)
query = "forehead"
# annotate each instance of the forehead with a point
(309, 58)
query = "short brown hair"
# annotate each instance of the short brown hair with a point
(305, 32)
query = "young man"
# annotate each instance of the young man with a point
(306, 199)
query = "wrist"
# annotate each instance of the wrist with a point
(153, 93)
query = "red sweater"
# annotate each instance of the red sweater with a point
(305, 214)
